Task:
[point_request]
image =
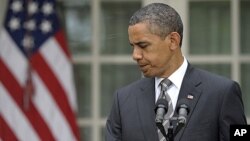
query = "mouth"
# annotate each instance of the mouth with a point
(143, 67)
(141, 64)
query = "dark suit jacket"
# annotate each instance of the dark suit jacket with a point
(216, 104)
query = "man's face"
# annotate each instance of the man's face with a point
(152, 53)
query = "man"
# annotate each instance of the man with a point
(214, 102)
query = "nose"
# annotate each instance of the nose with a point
(137, 53)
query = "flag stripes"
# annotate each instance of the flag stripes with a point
(54, 86)
(16, 92)
(6, 132)
(15, 119)
(56, 60)
(62, 42)
(9, 53)
(51, 113)
(32, 38)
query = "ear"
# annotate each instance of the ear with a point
(175, 39)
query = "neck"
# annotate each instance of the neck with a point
(176, 62)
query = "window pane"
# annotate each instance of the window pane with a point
(210, 27)
(220, 69)
(114, 28)
(82, 77)
(78, 27)
(245, 81)
(113, 77)
(245, 26)
(85, 134)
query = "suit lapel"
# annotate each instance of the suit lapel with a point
(145, 104)
(190, 90)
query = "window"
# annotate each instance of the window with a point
(219, 39)
(78, 27)
(114, 28)
(98, 39)
(210, 27)
(245, 26)
(245, 52)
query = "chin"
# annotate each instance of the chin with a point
(148, 75)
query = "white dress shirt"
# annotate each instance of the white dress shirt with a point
(176, 78)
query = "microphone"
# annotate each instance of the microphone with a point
(161, 108)
(183, 110)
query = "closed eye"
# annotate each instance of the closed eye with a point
(142, 44)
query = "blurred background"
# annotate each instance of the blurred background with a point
(216, 38)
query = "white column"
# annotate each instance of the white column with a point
(3, 4)
(235, 39)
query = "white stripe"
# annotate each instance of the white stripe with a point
(165, 122)
(60, 65)
(51, 114)
(13, 57)
(162, 139)
(15, 118)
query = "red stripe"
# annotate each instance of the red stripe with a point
(60, 37)
(16, 91)
(57, 91)
(6, 134)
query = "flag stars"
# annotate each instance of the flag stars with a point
(47, 8)
(28, 42)
(46, 26)
(16, 6)
(32, 8)
(30, 25)
(14, 23)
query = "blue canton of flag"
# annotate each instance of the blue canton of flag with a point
(30, 23)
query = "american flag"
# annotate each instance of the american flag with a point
(37, 93)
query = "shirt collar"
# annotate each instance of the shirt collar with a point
(176, 77)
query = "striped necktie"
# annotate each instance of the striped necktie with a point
(165, 84)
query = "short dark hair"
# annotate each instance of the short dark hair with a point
(161, 18)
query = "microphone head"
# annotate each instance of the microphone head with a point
(183, 103)
(161, 108)
(161, 103)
